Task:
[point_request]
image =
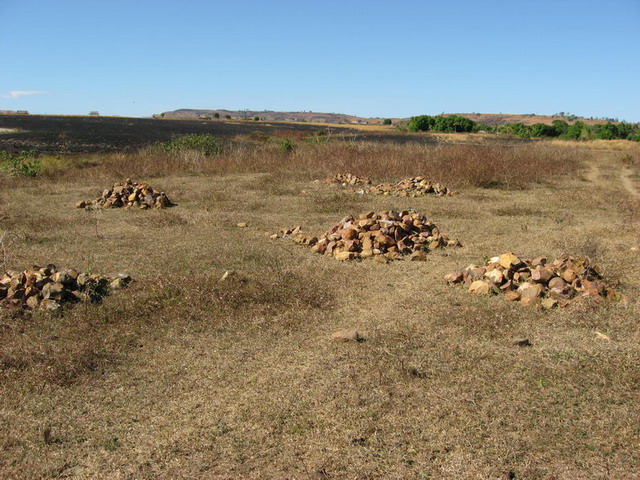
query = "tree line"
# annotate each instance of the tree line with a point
(558, 129)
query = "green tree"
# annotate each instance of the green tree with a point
(386, 121)
(216, 115)
(421, 123)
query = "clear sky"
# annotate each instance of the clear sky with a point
(369, 58)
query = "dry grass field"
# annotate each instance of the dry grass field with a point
(182, 376)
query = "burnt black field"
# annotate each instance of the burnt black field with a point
(81, 134)
(71, 134)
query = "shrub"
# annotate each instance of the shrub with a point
(204, 143)
(25, 164)
(386, 121)
(287, 145)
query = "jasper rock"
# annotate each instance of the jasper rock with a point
(454, 277)
(569, 275)
(49, 305)
(418, 256)
(541, 275)
(33, 302)
(512, 296)
(530, 290)
(557, 283)
(343, 256)
(346, 335)
(480, 287)
(495, 276)
(509, 260)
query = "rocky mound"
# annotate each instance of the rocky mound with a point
(129, 195)
(410, 187)
(536, 280)
(348, 180)
(48, 288)
(383, 236)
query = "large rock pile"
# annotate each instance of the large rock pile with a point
(348, 180)
(129, 195)
(410, 187)
(383, 236)
(48, 288)
(532, 281)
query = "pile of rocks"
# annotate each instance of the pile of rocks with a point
(348, 180)
(129, 195)
(383, 236)
(48, 288)
(532, 281)
(410, 187)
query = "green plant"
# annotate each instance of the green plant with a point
(25, 164)
(386, 121)
(287, 145)
(204, 143)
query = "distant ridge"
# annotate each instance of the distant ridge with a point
(340, 118)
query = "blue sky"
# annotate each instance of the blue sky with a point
(368, 58)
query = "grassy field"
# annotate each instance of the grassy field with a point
(185, 376)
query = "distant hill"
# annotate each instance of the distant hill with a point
(272, 116)
(340, 118)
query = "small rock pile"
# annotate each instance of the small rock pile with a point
(533, 281)
(129, 195)
(383, 236)
(348, 180)
(410, 187)
(48, 288)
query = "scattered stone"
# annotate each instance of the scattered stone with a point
(523, 343)
(388, 234)
(408, 187)
(127, 195)
(536, 281)
(48, 288)
(242, 225)
(348, 180)
(346, 335)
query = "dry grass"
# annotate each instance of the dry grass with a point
(183, 376)
(486, 165)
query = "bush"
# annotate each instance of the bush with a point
(386, 121)
(25, 164)
(287, 145)
(204, 143)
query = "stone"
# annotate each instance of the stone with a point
(495, 276)
(557, 283)
(344, 256)
(346, 335)
(549, 303)
(454, 277)
(530, 290)
(512, 296)
(49, 305)
(81, 204)
(569, 276)
(242, 225)
(542, 275)
(523, 343)
(480, 287)
(509, 260)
